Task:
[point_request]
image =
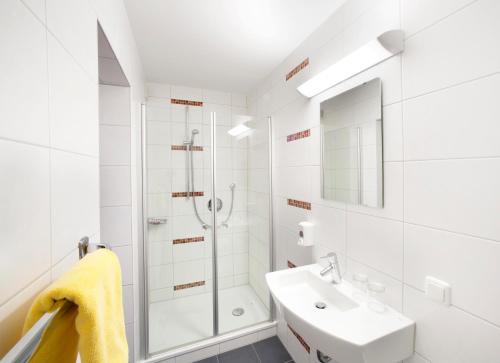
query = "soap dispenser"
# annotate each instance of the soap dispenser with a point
(306, 234)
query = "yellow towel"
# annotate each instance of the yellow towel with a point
(92, 323)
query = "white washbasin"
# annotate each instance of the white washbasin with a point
(347, 330)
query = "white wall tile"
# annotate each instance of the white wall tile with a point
(468, 264)
(114, 145)
(158, 157)
(457, 122)
(392, 127)
(37, 7)
(72, 104)
(238, 100)
(447, 334)
(221, 98)
(24, 216)
(115, 186)
(393, 295)
(115, 225)
(161, 276)
(23, 95)
(74, 200)
(463, 194)
(430, 57)
(129, 331)
(81, 41)
(158, 90)
(125, 256)
(392, 194)
(329, 227)
(188, 251)
(188, 271)
(376, 242)
(417, 15)
(187, 93)
(64, 265)
(160, 133)
(14, 311)
(158, 112)
(114, 105)
(128, 303)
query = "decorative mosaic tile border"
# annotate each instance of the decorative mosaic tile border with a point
(188, 240)
(184, 147)
(297, 69)
(299, 204)
(300, 339)
(291, 264)
(189, 285)
(176, 101)
(298, 135)
(185, 194)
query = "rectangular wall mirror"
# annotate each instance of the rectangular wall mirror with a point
(351, 146)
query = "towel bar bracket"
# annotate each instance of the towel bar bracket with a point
(84, 245)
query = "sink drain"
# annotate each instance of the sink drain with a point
(238, 311)
(320, 305)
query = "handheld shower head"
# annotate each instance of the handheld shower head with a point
(193, 133)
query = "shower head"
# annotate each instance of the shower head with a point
(232, 186)
(194, 132)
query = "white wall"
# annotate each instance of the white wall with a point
(115, 190)
(441, 168)
(49, 134)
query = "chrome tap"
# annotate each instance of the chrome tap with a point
(333, 265)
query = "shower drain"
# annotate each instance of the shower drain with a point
(238, 311)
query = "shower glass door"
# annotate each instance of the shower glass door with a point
(206, 221)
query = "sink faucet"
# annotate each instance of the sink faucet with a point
(333, 265)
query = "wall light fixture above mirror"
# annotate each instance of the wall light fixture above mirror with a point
(384, 46)
(351, 146)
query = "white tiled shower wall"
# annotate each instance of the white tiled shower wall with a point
(115, 189)
(441, 168)
(185, 263)
(259, 207)
(49, 135)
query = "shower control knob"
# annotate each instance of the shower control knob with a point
(219, 205)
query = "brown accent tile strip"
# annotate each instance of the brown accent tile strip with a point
(297, 69)
(291, 264)
(189, 285)
(188, 240)
(300, 339)
(299, 204)
(298, 135)
(176, 101)
(184, 194)
(184, 147)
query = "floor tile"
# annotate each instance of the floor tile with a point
(272, 351)
(244, 354)
(208, 360)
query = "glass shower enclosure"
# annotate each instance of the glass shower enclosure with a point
(207, 221)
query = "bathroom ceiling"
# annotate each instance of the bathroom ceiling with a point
(229, 45)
